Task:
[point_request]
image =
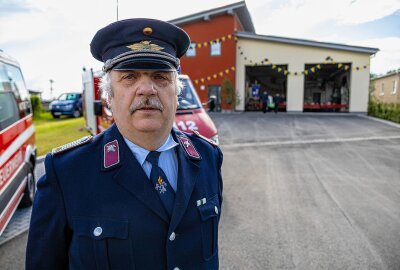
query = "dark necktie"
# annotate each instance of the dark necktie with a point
(160, 182)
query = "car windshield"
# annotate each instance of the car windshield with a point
(68, 96)
(188, 98)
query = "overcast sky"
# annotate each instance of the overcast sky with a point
(50, 39)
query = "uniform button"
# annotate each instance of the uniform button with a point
(176, 268)
(97, 231)
(216, 209)
(172, 236)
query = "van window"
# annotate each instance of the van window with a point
(8, 110)
(16, 82)
(11, 79)
(5, 84)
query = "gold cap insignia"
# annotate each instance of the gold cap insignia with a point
(145, 45)
(147, 31)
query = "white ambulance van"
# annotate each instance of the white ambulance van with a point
(17, 141)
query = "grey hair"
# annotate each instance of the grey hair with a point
(106, 89)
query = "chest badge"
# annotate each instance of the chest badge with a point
(161, 186)
(111, 154)
(189, 147)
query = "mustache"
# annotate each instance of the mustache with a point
(147, 102)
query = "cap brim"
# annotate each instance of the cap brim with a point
(145, 64)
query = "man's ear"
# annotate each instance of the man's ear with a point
(109, 103)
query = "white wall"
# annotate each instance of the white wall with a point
(296, 57)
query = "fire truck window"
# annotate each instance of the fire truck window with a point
(187, 99)
(8, 110)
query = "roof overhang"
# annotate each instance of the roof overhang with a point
(239, 9)
(31, 91)
(392, 74)
(311, 43)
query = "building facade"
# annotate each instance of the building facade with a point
(228, 61)
(386, 88)
(211, 58)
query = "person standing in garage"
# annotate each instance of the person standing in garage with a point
(277, 100)
(264, 100)
(140, 195)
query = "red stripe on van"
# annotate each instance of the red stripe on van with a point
(8, 135)
(11, 166)
(12, 206)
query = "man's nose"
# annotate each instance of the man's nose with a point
(146, 86)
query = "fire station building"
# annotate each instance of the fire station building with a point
(228, 62)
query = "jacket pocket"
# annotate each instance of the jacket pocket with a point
(103, 244)
(209, 226)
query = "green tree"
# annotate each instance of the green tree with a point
(229, 96)
(227, 87)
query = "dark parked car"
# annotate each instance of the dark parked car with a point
(67, 104)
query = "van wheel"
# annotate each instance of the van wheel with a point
(77, 113)
(30, 189)
(55, 116)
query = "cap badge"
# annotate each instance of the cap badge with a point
(145, 45)
(111, 154)
(147, 31)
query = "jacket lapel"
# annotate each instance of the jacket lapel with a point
(130, 175)
(188, 171)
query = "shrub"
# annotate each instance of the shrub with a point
(36, 106)
(385, 111)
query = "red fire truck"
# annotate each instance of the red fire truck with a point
(17, 141)
(189, 116)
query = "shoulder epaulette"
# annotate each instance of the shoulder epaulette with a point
(195, 132)
(66, 147)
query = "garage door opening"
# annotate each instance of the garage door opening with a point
(269, 78)
(327, 88)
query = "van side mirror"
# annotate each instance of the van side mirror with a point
(98, 107)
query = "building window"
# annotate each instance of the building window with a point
(191, 52)
(215, 49)
(382, 89)
(394, 87)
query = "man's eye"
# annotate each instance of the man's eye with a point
(160, 77)
(129, 77)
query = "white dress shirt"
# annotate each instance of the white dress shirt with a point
(168, 161)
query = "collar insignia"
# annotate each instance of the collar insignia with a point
(145, 45)
(189, 147)
(111, 154)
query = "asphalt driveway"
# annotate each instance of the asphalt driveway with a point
(309, 192)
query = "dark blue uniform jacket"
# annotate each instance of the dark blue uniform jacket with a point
(78, 195)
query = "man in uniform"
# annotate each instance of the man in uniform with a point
(140, 195)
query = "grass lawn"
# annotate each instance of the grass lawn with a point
(51, 132)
